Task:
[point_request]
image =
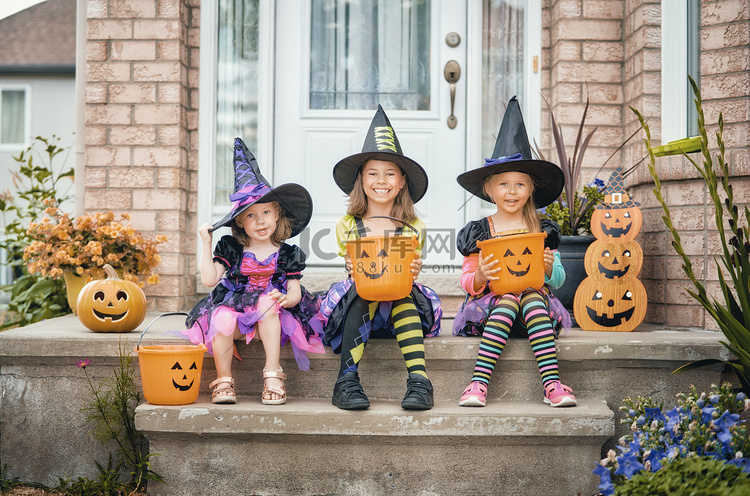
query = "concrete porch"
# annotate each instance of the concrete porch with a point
(310, 447)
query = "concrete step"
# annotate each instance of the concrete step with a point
(308, 446)
(42, 392)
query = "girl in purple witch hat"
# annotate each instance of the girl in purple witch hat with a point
(517, 184)
(258, 278)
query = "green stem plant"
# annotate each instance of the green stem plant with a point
(733, 314)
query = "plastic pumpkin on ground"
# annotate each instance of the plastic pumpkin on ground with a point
(111, 304)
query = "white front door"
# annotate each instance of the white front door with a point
(335, 61)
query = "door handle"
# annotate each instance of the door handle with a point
(452, 74)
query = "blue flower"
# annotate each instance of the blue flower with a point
(726, 420)
(700, 403)
(628, 465)
(597, 183)
(655, 456)
(708, 414)
(714, 398)
(743, 463)
(741, 396)
(640, 420)
(606, 480)
(674, 418)
(655, 414)
(631, 413)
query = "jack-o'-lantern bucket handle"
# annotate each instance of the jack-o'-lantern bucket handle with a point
(406, 224)
(167, 315)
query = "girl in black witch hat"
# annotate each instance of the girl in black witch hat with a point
(259, 275)
(517, 185)
(381, 182)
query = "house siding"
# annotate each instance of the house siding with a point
(142, 124)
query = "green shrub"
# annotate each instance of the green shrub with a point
(689, 476)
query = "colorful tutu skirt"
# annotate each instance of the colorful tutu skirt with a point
(334, 305)
(225, 310)
(472, 316)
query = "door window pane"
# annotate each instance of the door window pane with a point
(12, 117)
(370, 52)
(503, 32)
(236, 87)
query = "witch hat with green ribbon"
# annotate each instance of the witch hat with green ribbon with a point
(250, 187)
(513, 153)
(381, 143)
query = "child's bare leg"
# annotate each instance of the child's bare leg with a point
(223, 347)
(269, 329)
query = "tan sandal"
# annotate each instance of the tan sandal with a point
(223, 390)
(267, 398)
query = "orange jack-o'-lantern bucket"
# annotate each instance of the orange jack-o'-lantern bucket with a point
(381, 265)
(170, 374)
(521, 257)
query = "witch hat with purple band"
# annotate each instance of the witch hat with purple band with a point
(381, 143)
(615, 195)
(250, 187)
(513, 153)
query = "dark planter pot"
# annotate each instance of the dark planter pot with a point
(572, 250)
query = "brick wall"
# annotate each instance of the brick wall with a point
(582, 55)
(725, 87)
(141, 77)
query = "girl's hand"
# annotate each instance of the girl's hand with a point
(281, 299)
(206, 236)
(549, 260)
(487, 269)
(348, 265)
(416, 267)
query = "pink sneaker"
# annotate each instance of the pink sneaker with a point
(474, 395)
(558, 394)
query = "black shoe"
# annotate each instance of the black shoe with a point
(418, 393)
(348, 393)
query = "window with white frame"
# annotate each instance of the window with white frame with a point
(14, 116)
(680, 57)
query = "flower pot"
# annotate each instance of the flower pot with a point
(572, 251)
(73, 286)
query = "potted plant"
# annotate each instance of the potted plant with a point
(78, 249)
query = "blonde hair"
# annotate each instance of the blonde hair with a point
(530, 215)
(281, 234)
(403, 206)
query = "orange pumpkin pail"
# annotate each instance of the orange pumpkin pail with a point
(170, 374)
(382, 266)
(521, 257)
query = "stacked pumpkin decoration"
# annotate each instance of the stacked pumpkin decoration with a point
(612, 298)
(111, 304)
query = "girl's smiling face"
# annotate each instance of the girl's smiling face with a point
(382, 181)
(510, 190)
(259, 221)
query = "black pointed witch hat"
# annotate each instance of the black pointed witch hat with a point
(381, 143)
(250, 187)
(513, 153)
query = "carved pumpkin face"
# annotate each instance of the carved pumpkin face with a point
(616, 224)
(521, 259)
(182, 379)
(518, 265)
(613, 260)
(603, 305)
(112, 304)
(382, 265)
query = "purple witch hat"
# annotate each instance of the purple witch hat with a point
(250, 187)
